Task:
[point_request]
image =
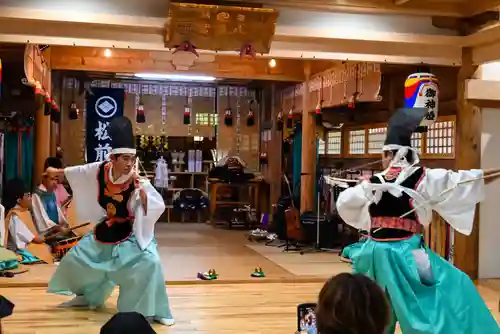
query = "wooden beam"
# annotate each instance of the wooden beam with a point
(467, 25)
(480, 6)
(468, 156)
(486, 53)
(130, 61)
(275, 150)
(401, 2)
(307, 179)
(366, 6)
(477, 89)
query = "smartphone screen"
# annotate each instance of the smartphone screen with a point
(306, 318)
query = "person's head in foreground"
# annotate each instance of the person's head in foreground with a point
(6, 309)
(352, 304)
(127, 322)
(123, 155)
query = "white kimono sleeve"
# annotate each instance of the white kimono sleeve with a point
(353, 206)
(19, 234)
(457, 206)
(144, 223)
(42, 221)
(85, 187)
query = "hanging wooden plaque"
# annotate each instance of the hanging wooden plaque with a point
(220, 28)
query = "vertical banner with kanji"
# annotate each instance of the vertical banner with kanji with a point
(102, 105)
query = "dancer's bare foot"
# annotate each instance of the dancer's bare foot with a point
(346, 260)
(165, 321)
(78, 301)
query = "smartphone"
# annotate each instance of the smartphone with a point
(306, 318)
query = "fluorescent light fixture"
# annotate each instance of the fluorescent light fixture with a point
(175, 77)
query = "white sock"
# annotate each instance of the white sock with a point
(165, 321)
(78, 301)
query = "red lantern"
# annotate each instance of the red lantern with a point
(47, 108)
(187, 115)
(140, 116)
(55, 113)
(263, 158)
(289, 120)
(318, 114)
(73, 111)
(228, 117)
(250, 117)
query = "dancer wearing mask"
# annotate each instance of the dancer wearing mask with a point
(122, 250)
(428, 295)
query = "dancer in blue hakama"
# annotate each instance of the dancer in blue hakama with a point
(121, 250)
(428, 295)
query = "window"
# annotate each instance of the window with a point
(376, 138)
(321, 146)
(441, 138)
(357, 142)
(416, 142)
(206, 119)
(333, 142)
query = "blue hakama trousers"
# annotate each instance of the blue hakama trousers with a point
(92, 269)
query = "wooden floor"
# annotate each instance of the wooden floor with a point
(231, 306)
(187, 249)
(267, 308)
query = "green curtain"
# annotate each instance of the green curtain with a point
(297, 164)
(26, 150)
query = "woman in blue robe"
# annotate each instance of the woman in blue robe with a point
(428, 295)
(121, 251)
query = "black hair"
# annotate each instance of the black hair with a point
(15, 189)
(410, 155)
(352, 304)
(53, 162)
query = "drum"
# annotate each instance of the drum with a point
(63, 246)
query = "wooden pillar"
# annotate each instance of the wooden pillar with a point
(53, 138)
(308, 147)
(41, 143)
(468, 156)
(275, 152)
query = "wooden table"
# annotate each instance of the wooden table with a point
(254, 192)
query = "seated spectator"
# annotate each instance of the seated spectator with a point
(127, 323)
(352, 304)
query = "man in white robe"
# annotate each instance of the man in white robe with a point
(47, 212)
(122, 249)
(18, 235)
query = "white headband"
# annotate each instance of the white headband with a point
(123, 150)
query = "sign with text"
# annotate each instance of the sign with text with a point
(422, 91)
(103, 104)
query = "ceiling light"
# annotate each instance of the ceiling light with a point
(272, 63)
(107, 53)
(175, 77)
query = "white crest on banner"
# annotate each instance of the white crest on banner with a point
(106, 107)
